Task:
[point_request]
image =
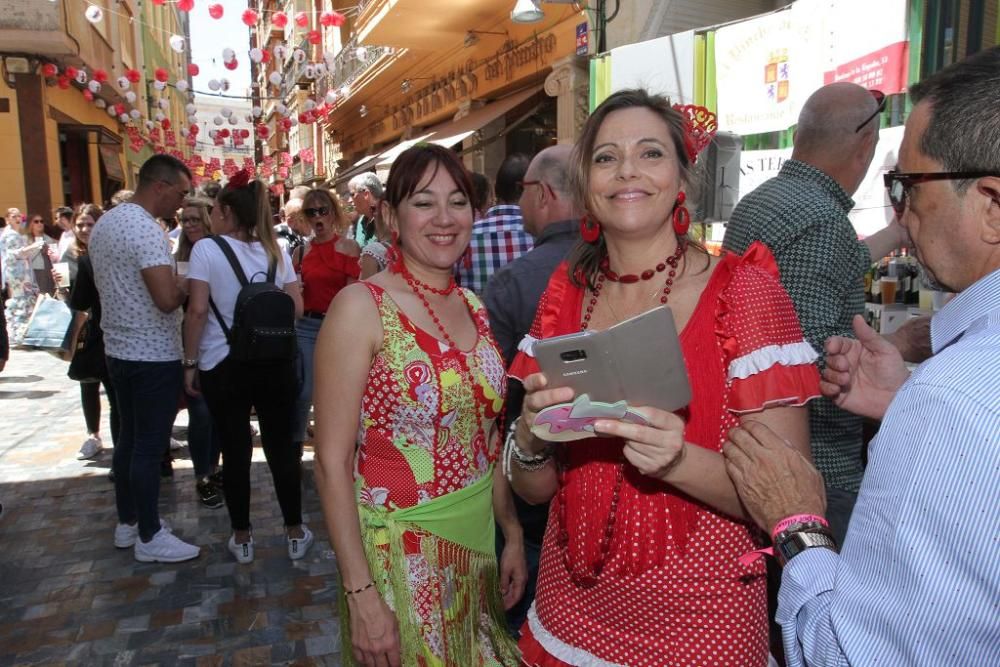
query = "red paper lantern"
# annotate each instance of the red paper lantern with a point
(279, 19)
(193, 69)
(70, 72)
(215, 11)
(249, 18)
(100, 75)
(49, 70)
(302, 19)
(63, 82)
(314, 36)
(245, 133)
(194, 129)
(133, 75)
(87, 95)
(159, 74)
(263, 132)
(332, 19)
(303, 118)
(232, 64)
(119, 108)
(286, 124)
(165, 123)
(265, 56)
(224, 132)
(159, 3)
(185, 5)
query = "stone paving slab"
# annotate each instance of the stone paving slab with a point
(67, 596)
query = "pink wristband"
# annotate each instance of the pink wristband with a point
(796, 518)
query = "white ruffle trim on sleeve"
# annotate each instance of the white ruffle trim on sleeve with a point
(527, 345)
(560, 649)
(764, 358)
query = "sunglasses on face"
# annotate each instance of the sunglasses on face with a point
(899, 184)
(316, 212)
(880, 99)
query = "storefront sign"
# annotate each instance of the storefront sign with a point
(510, 58)
(582, 39)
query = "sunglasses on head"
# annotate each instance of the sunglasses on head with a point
(880, 99)
(899, 184)
(316, 212)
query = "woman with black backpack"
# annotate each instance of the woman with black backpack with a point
(239, 342)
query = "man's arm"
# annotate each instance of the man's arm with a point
(884, 241)
(167, 291)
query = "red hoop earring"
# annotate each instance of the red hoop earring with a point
(682, 217)
(590, 229)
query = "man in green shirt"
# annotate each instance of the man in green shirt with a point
(801, 215)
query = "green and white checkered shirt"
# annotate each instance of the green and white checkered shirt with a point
(801, 215)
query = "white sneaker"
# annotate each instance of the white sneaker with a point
(126, 535)
(243, 552)
(90, 448)
(297, 547)
(165, 547)
(175, 444)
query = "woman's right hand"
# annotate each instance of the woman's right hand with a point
(191, 386)
(374, 631)
(536, 398)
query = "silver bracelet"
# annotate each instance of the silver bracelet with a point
(525, 461)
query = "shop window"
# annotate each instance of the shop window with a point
(126, 32)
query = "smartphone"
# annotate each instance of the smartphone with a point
(638, 361)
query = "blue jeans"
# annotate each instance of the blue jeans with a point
(146, 393)
(203, 437)
(306, 330)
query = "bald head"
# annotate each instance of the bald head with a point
(827, 134)
(553, 200)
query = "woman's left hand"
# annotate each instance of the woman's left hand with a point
(191, 387)
(513, 573)
(653, 449)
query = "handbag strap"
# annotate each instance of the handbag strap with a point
(241, 276)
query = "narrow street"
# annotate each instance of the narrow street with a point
(67, 596)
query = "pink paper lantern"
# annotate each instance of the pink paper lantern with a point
(193, 69)
(302, 19)
(215, 11)
(279, 19)
(332, 19)
(249, 18)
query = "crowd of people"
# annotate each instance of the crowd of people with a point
(406, 323)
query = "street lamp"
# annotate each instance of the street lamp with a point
(526, 11)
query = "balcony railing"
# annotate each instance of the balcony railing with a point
(348, 68)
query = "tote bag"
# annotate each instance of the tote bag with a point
(49, 324)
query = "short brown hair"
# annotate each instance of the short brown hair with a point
(407, 172)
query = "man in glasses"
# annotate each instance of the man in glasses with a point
(141, 299)
(916, 582)
(366, 192)
(801, 215)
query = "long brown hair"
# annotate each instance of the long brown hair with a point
(585, 258)
(252, 209)
(202, 204)
(95, 212)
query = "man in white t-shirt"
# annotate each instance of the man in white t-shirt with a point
(141, 301)
(64, 220)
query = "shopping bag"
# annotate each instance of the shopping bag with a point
(48, 325)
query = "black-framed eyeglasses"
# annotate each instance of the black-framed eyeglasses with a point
(899, 184)
(316, 212)
(880, 99)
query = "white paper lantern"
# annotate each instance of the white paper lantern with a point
(256, 111)
(228, 54)
(294, 120)
(361, 53)
(345, 90)
(226, 112)
(213, 85)
(331, 96)
(274, 78)
(130, 97)
(192, 120)
(177, 43)
(124, 118)
(163, 103)
(320, 69)
(159, 117)
(281, 108)
(94, 14)
(160, 85)
(184, 132)
(95, 86)
(218, 120)
(310, 71)
(124, 83)
(81, 76)
(280, 52)
(299, 56)
(212, 134)
(135, 113)
(224, 84)
(181, 85)
(331, 59)
(99, 103)
(248, 118)
(309, 105)
(111, 112)
(256, 55)
(149, 125)
(190, 108)
(233, 120)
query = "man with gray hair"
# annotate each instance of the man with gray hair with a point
(801, 215)
(366, 191)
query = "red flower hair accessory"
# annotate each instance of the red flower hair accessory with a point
(239, 180)
(701, 126)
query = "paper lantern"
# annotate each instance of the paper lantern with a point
(177, 43)
(159, 117)
(286, 124)
(280, 52)
(361, 53)
(218, 120)
(111, 112)
(87, 95)
(159, 3)
(231, 64)
(100, 75)
(213, 134)
(299, 56)
(309, 105)
(332, 19)
(256, 55)
(274, 78)
(130, 97)
(183, 131)
(123, 83)
(215, 10)
(133, 75)
(99, 103)
(279, 19)
(181, 85)
(281, 108)
(249, 18)
(190, 108)
(302, 19)
(223, 84)
(213, 85)
(226, 112)
(331, 96)
(263, 132)
(256, 112)
(94, 86)
(94, 14)
(228, 54)
(193, 129)
(265, 57)
(314, 36)
(245, 133)
(303, 118)
(135, 113)
(320, 69)
(165, 122)
(49, 70)
(120, 108)
(185, 5)
(310, 71)
(224, 133)
(124, 118)
(193, 69)
(160, 74)
(233, 120)
(160, 85)
(163, 103)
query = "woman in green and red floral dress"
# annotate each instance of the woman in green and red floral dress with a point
(408, 492)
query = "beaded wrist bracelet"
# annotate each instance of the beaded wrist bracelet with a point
(360, 590)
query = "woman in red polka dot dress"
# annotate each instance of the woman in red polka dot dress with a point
(640, 561)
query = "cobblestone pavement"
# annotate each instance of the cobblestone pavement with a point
(67, 596)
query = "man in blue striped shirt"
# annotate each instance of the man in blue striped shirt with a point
(918, 579)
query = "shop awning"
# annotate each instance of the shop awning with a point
(452, 132)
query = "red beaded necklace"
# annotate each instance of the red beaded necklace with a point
(418, 288)
(589, 576)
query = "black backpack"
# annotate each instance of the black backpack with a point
(264, 317)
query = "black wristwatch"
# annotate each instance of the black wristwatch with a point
(793, 542)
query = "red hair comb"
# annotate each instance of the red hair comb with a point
(702, 125)
(239, 179)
